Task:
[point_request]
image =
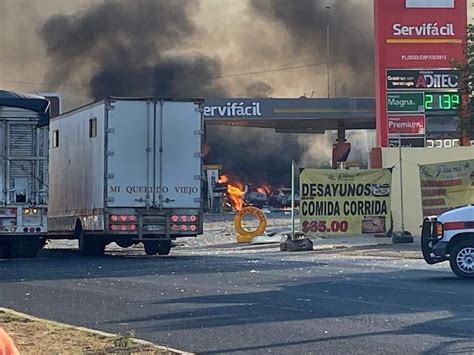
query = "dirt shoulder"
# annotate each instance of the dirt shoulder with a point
(37, 336)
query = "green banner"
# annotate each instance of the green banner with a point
(405, 102)
(445, 186)
(345, 202)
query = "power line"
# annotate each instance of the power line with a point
(293, 67)
(222, 76)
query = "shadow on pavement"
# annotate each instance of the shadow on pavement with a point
(66, 264)
(434, 314)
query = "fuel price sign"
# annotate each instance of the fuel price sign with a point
(441, 101)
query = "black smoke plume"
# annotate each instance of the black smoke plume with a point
(351, 53)
(135, 48)
(128, 46)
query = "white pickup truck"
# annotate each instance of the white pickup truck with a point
(450, 236)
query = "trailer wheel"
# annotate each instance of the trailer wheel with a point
(24, 247)
(165, 247)
(461, 259)
(3, 249)
(160, 247)
(90, 245)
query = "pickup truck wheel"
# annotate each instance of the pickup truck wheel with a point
(90, 245)
(461, 259)
(23, 247)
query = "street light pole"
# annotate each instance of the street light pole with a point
(327, 47)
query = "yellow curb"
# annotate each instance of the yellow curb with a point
(92, 331)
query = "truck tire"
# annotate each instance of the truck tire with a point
(90, 245)
(461, 259)
(160, 247)
(3, 249)
(151, 247)
(24, 247)
(165, 247)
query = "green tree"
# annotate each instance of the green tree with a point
(466, 85)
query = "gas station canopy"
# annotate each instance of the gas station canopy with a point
(302, 115)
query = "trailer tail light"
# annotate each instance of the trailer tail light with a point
(35, 211)
(38, 230)
(123, 227)
(32, 230)
(184, 218)
(26, 211)
(25, 230)
(183, 228)
(123, 218)
(13, 210)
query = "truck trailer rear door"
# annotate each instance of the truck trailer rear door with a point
(154, 154)
(180, 134)
(130, 153)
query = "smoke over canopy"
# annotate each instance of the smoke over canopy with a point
(158, 48)
(351, 50)
(128, 46)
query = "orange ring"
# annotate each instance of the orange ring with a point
(245, 235)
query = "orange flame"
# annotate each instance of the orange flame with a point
(235, 192)
(264, 189)
(236, 195)
(223, 179)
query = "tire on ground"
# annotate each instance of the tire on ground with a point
(461, 259)
(243, 235)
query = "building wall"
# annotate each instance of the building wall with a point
(411, 159)
(470, 12)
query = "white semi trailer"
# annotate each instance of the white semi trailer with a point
(128, 171)
(23, 173)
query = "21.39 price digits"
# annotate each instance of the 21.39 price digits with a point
(325, 226)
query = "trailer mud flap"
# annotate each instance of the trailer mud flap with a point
(428, 241)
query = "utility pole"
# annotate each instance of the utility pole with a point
(328, 8)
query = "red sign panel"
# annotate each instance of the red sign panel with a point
(414, 34)
(406, 124)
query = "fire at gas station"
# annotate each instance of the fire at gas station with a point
(415, 111)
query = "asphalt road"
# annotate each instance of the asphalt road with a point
(252, 303)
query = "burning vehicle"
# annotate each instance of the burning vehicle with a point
(257, 197)
(237, 195)
(281, 198)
